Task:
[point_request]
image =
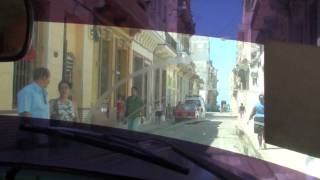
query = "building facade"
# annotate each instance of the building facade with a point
(200, 53)
(212, 88)
(103, 62)
(291, 21)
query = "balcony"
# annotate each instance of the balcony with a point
(171, 42)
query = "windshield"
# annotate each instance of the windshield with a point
(195, 102)
(136, 78)
(187, 107)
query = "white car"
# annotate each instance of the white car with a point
(197, 100)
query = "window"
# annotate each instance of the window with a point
(121, 71)
(103, 67)
(22, 76)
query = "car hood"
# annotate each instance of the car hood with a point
(84, 157)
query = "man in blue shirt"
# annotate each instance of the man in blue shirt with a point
(258, 114)
(33, 102)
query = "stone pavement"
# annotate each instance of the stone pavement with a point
(150, 125)
(280, 156)
(274, 154)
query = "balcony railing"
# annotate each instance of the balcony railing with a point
(171, 42)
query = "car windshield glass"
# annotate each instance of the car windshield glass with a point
(189, 106)
(108, 143)
(137, 68)
(195, 102)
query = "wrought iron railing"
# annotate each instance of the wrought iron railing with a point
(171, 42)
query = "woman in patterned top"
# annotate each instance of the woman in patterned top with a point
(62, 108)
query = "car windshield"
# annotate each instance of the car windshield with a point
(188, 107)
(135, 70)
(195, 102)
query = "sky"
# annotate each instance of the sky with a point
(219, 18)
(223, 54)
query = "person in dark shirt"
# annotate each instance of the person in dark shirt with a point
(242, 110)
(134, 108)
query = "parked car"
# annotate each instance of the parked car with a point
(187, 111)
(199, 102)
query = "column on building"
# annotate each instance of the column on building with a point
(165, 56)
(145, 68)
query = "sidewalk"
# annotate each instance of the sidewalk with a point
(280, 156)
(150, 125)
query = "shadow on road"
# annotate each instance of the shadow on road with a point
(202, 132)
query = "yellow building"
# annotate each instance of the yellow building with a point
(92, 58)
(102, 60)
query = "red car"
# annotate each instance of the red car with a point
(187, 111)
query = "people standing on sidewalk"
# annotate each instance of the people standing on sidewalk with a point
(63, 108)
(159, 112)
(258, 113)
(134, 109)
(120, 109)
(33, 102)
(169, 111)
(242, 110)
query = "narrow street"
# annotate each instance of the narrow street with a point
(226, 131)
(217, 130)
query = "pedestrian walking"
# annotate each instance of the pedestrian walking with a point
(258, 114)
(33, 103)
(242, 110)
(62, 107)
(134, 109)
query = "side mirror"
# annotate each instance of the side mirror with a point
(16, 26)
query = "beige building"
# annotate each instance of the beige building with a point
(247, 79)
(101, 63)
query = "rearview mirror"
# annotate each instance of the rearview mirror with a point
(16, 22)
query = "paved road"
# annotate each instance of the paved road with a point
(218, 131)
(221, 130)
